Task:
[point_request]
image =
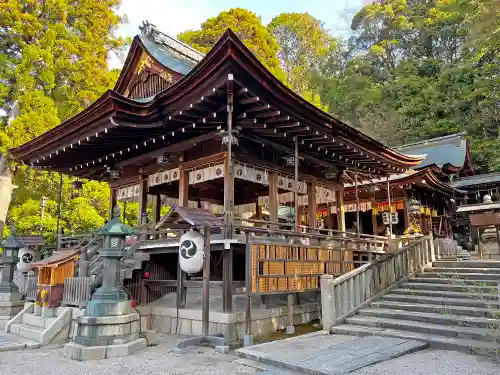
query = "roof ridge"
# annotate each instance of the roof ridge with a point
(151, 32)
(430, 141)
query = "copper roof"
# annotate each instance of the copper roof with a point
(56, 259)
(120, 128)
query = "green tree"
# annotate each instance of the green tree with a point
(249, 28)
(416, 69)
(303, 42)
(53, 64)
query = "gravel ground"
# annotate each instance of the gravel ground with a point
(433, 362)
(161, 359)
(155, 360)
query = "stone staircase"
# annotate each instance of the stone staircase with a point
(32, 324)
(452, 305)
(42, 330)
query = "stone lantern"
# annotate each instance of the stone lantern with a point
(11, 300)
(11, 247)
(109, 327)
(114, 234)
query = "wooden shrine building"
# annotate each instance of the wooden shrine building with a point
(428, 184)
(217, 131)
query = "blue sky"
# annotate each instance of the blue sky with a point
(175, 16)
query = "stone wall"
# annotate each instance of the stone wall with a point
(188, 321)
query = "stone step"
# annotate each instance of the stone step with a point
(452, 280)
(467, 264)
(438, 309)
(439, 300)
(442, 318)
(481, 334)
(460, 270)
(445, 294)
(462, 276)
(450, 287)
(27, 331)
(37, 321)
(436, 341)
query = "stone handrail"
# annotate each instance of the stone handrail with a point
(343, 296)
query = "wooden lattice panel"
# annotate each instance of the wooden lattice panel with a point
(303, 264)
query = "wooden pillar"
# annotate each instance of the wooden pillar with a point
(228, 198)
(157, 208)
(296, 185)
(183, 188)
(112, 202)
(340, 210)
(143, 202)
(311, 204)
(407, 212)
(273, 196)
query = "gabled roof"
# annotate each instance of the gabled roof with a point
(425, 178)
(448, 154)
(487, 179)
(166, 51)
(116, 128)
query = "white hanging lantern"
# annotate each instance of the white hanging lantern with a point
(191, 252)
(26, 257)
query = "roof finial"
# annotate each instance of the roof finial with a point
(147, 28)
(116, 212)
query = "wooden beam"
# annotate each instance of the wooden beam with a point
(311, 204)
(176, 147)
(251, 100)
(273, 196)
(289, 151)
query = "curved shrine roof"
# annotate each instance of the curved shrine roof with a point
(117, 128)
(444, 154)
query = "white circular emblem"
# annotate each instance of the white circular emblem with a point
(191, 252)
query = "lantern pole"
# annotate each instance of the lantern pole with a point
(206, 284)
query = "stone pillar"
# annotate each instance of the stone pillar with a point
(109, 327)
(11, 300)
(328, 313)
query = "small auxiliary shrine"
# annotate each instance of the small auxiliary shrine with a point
(51, 274)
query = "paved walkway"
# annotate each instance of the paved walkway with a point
(323, 354)
(12, 342)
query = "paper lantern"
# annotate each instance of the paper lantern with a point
(26, 257)
(191, 252)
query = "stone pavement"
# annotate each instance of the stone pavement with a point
(13, 342)
(320, 353)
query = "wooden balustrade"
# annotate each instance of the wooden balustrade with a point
(343, 296)
(77, 291)
(31, 283)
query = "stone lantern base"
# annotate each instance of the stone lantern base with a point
(116, 334)
(11, 304)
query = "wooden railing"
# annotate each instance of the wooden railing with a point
(30, 283)
(77, 291)
(445, 248)
(343, 296)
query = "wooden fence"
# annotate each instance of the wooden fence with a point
(30, 283)
(77, 291)
(343, 296)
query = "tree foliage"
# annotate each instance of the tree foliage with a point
(247, 26)
(416, 69)
(53, 64)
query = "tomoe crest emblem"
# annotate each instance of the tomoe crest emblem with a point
(188, 249)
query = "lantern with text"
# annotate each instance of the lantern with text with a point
(191, 252)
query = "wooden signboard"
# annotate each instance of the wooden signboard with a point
(485, 219)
